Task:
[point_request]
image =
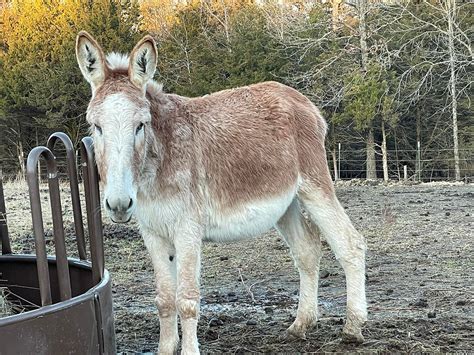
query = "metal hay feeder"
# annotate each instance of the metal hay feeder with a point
(72, 297)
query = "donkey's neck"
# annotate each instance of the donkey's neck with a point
(168, 124)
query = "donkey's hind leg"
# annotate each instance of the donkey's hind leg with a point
(347, 244)
(305, 247)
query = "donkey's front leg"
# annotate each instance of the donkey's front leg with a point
(162, 254)
(188, 263)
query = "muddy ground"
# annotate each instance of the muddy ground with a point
(420, 278)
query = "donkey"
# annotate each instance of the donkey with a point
(222, 167)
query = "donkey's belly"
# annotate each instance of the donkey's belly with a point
(248, 220)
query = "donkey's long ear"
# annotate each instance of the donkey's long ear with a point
(91, 60)
(143, 62)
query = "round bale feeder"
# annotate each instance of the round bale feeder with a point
(71, 299)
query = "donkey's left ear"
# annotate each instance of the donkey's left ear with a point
(143, 61)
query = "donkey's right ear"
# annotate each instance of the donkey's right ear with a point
(91, 60)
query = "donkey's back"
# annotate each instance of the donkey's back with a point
(259, 138)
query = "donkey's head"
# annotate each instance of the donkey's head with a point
(119, 115)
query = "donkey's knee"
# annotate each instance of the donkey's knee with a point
(188, 307)
(166, 305)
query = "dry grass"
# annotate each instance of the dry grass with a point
(5, 306)
(18, 206)
(420, 246)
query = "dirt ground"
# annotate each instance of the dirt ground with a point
(420, 277)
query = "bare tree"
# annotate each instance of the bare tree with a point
(362, 9)
(346, 25)
(444, 54)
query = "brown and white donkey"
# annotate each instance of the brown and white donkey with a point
(226, 166)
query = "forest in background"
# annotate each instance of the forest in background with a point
(392, 78)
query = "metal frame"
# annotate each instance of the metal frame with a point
(74, 185)
(71, 293)
(4, 237)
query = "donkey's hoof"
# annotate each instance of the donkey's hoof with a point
(353, 337)
(294, 332)
(170, 348)
(289, 336)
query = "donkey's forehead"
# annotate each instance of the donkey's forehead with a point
(118, 104)
(117, 82)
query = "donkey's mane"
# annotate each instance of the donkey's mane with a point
(154, 88)
(118, 62)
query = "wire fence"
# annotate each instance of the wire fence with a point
(408, 164)
(404, 164)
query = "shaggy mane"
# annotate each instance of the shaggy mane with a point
(119, 62)
(154, 88)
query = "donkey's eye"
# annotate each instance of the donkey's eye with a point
(139, 128)
(98, 129)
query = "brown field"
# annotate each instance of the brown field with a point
(420, 277)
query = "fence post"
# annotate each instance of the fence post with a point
(405, 173)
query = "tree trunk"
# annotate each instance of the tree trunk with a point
(335, 4)
(334, 161)
(21, 158)
(226, 26)
(334, 153)
(418, 123)
(418, 143)
(396, 154)
(362, 5)
(371, 171)
(384, 153)
(418, 161)
(451, 13)
(362, 12)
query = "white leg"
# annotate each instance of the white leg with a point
(305, 247)
(349, 247)
(164, 263)
(188, 258)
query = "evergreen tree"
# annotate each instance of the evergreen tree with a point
(40, 84)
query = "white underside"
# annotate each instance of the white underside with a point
(162, 217)
(248, 220)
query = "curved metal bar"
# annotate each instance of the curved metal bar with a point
(73, 183)
(4, 237)
(94, 219)
(58, 228)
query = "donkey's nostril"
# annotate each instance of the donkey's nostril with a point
(118, 206)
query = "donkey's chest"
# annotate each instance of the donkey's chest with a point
(160, 217)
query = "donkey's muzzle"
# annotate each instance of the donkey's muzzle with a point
(119, 210)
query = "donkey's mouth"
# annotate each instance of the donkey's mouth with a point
(121, 221)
